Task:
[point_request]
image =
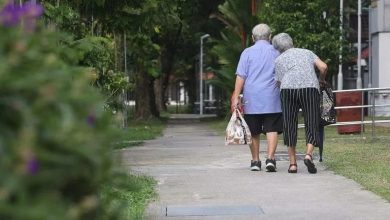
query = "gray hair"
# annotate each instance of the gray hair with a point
(261, 32)
(282, 42)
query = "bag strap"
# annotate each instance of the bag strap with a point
(240, 118)
(238, 112)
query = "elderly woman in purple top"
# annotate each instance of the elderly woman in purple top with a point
(261, 97)
(299, 89)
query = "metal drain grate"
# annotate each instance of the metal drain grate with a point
(213, 210)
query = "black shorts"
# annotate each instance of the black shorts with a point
(264, 123)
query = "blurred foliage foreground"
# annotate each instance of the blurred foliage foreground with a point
(56, 138)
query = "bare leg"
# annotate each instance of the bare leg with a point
(255, 146)
(272, 141)
(309, 150)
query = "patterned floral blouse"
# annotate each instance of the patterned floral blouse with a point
(294, 69)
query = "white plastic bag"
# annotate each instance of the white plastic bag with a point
(237, 131)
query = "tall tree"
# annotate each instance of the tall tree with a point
(140, 22)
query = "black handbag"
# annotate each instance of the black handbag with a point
(327, 104)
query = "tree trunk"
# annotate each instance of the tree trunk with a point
(153, 105)
(191, 85)
(167, 59)
(254, 7)
(160, 97)
(243, 36)
(119, 52)
(142, 96)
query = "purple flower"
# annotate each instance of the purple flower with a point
(31, 10)
(91, 120)
(32, 165)
(10, 14)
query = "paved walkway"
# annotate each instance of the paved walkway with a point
(200, 178)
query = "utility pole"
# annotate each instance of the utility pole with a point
(340, 74)
(359, 57)
(201, 74)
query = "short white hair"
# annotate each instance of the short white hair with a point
(282, 42)
(261, 32)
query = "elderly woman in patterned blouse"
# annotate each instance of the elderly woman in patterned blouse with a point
(299, 86)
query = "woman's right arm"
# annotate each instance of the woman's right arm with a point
(237, 91)
(322, 67)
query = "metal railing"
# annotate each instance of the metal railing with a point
(372, 94)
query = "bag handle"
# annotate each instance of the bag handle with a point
(238, 112)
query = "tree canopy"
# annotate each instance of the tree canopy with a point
(143, 46)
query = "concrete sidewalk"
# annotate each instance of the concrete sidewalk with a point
(200, 178)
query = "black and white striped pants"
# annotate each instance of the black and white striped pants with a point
(308, 99)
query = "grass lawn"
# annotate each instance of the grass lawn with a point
(356, 156)
(361, 158)
(138, 131)
(131, 195)
(138, 197)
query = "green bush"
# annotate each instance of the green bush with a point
(55, 136)
(94, 51)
